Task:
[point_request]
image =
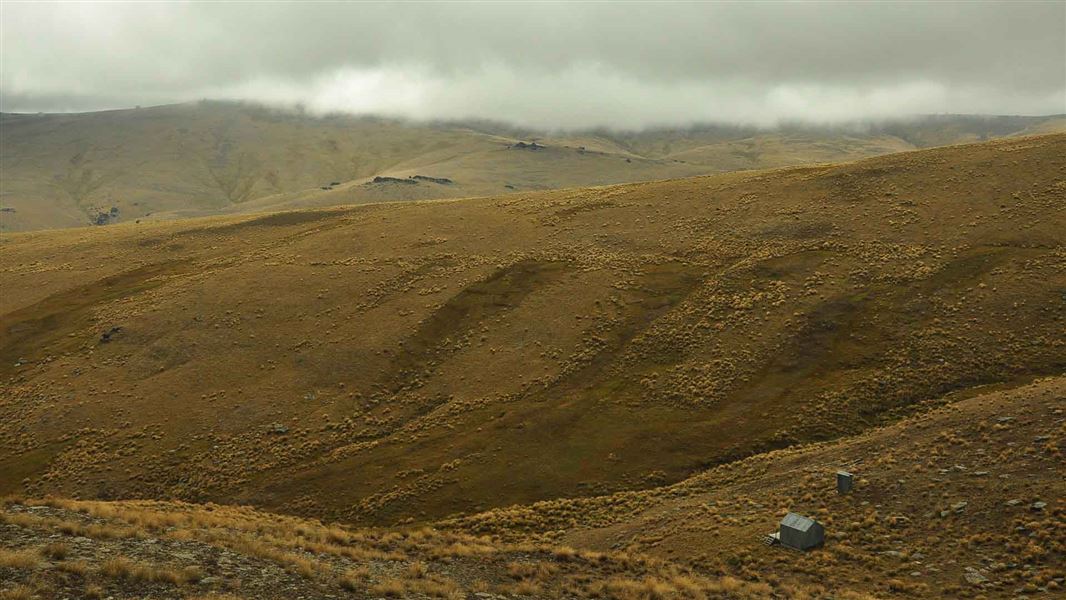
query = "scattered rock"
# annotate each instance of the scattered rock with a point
(382, 179)
(892, 553)
(106, 336)
(529, 146)
(973, 577)
(440, 180)
(277, 429)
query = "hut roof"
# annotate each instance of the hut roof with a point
(798, 522)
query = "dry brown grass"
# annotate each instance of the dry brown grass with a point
(390, 588)
(733, 502)
(688, 292)
(80, 568)
(120, 567)
(19, 592)
(68, 527)
(354, 579)
(178, 175)
(437, 587)
(56, 551)
(417, 570)
(19, 559)
(117, 567)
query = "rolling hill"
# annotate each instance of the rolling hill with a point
(68, 170)
(408, 362)
(961, 500)
(612, 392)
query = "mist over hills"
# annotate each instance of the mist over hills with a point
(69, 170)
(532, 300)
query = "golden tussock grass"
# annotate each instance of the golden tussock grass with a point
(117, 567)
(120, 567)
(56, 551)
(354, 579)
(390, 588)
(19, 592)
(437, 588)
(80, 568)
(19, 559)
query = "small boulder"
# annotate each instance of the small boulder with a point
(106, 336)
(974, 577)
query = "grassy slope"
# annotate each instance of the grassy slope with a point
(215, 158)
(947, 504)
(422, 355)
(973, 486)
(58, 548)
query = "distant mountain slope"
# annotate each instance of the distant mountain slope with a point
(392, 362)
(65, 170)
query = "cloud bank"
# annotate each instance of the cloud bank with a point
(549, 65)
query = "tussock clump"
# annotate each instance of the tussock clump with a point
(18, 559)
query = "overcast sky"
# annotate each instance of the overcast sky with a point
(624, 65)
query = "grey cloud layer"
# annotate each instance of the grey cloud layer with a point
(552, 65)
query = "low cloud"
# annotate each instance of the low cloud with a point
(547, 65)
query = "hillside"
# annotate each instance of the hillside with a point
(207, 158)
(964, 500)
(60, 548)
(960, 501)
(398, 363)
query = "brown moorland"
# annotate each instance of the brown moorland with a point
(965, 500)
(403, 363)
(204, 158)
(410, 361)
(959, 501)
(128, 549)
(608, 392)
